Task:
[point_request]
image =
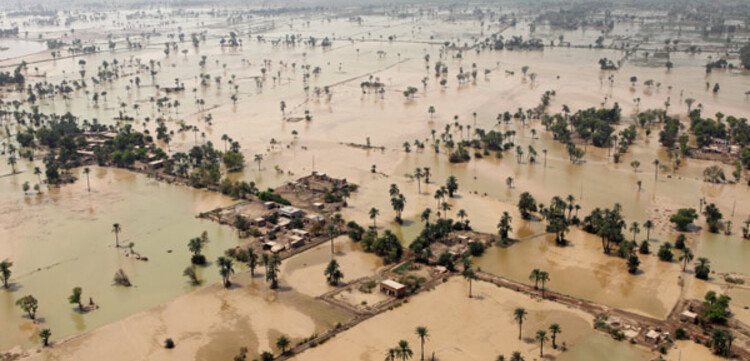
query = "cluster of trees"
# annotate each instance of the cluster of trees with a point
(385, 245)
(15, 78)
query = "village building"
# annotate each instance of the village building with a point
(392, 288)
(291, 212)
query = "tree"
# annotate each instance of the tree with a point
(423, 335)
(635, 228)
(266, 356)
(28, 304)
(398, 203)
(282, 343)
(451, 185)
(403, 351)
(665, 252)
(226, 269)
(526, 205)
(686, 257)
(469, 275)
(45, 334)
(86, 171)
(516, 356)
(418, 175)
(702, 268)
(633, 263)
(190, 272)
(117, 229)
(519, 315)
(554, 329)
(534, 276)
(195, 245)
(272, 271)
(543, 277)
(374, 212)
(75, 298)
(713, 217)
(5, 271)
(541, 336)
(683, 218)
(333, 273)
(252, 261)
(656, 169)
(504, 226)
(259, 159)
(648, 225)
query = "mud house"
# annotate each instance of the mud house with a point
(392, 288)
(291, 212)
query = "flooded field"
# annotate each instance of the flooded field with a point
(298, 108)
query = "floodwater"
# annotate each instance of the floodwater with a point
(19, 48)
(62, 238)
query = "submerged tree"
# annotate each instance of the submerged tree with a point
(519, 315)
(333, 273)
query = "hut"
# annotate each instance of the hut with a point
(687, 316)
(296, 241)
(269, 205)
(392, 288)
(301, 233)
(652, 336)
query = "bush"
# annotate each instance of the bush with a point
(683, 218)
(198, 259)
(679, 243)
(681, 334)
(168, 343)
(476, 249)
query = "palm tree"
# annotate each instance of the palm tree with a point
(272, 270)
(469, 275)
(554, 329)
(656, 169)
(423, 335)
(541, 336)
(226, 269)
(516, 356)
(390, 355)
(116, 229)
(45, 334)
(544, 277)
(687, 257)
(426, 215)
(634, 227)
(86, 171)
(38, 173)
(418, 175)
(461, 215)
(534, 276)
(331, 232)
(282, 343)
(504, 227)
(258, 159)
(648, 225)
(5, 271)
(403, 351)
(519, 315)
(252, 260)
(374, 212)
